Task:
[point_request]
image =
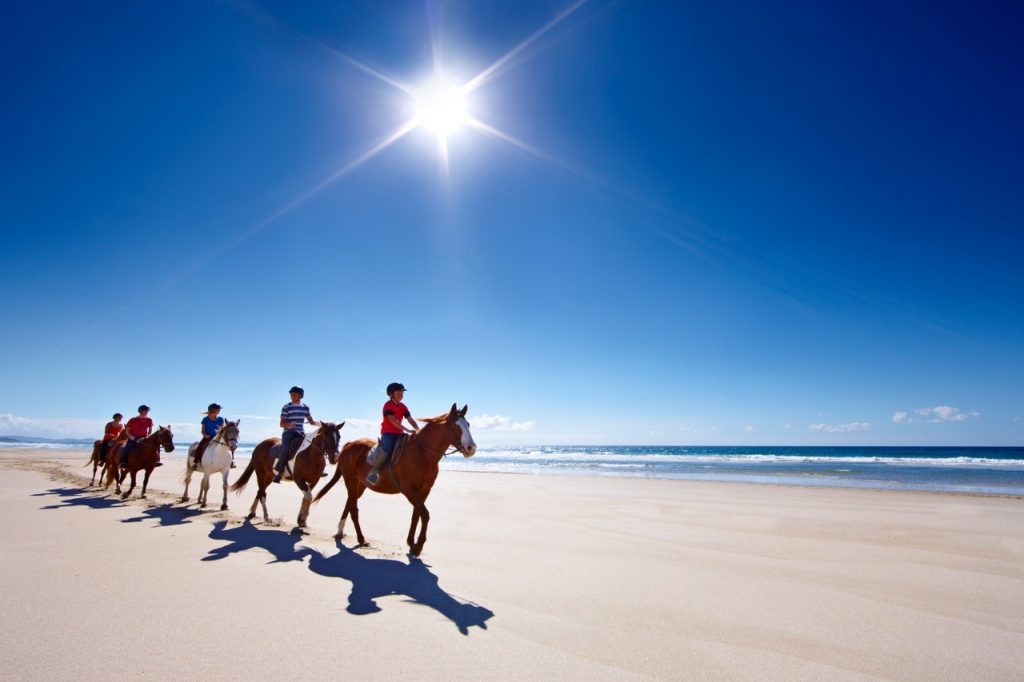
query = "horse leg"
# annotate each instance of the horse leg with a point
(131, 487)
(412, 525)
(145, 482)
(224, 502)
(204, 489)
(424, 520)
(188, 481)
(307, 498)
(263, 501)
(252, 509)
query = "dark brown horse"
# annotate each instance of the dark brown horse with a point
(144, 455)
(98, 460)
(413, 475)
(306, 468)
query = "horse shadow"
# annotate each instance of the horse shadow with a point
(165, 515)
(281, 544)
(375, 578)
(371, 579)
(77, 497)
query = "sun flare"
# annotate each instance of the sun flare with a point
(441, 108)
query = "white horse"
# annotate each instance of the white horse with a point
(216, 458)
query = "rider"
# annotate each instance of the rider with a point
(111, 432)
(391, 427)
(208, 428)
(138, 428)
(293, 415)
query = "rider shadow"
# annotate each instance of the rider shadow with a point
(374, 578)
(76, 497)
(165, 515)
(281, 544)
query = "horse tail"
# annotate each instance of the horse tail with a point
(330, 483)
(94, 455)
(239, 485)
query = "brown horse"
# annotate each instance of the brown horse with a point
(306, 468)
(413, 475)
(144, 455)
(97, 461)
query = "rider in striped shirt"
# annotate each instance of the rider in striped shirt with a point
(293, 415)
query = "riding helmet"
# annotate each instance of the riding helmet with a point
(395, 386)
(212, 407)
(297, 389)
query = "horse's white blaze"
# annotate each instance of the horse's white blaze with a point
(468, 444)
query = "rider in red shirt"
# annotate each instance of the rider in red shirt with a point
(111, 432)
(391, 427)
(138, 428)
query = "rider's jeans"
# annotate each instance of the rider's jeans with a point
(287, 438)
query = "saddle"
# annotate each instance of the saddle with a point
(396, 453)
(297, 446)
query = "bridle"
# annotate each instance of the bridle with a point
(226, 441)
(444, 452)
(312, 444)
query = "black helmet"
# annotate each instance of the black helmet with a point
(212, 407)
(395, 386)
(297, 389)
(143, 407)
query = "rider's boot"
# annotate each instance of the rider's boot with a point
(374, 476)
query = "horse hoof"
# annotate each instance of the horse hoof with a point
(142, 497)
(339, 536)
(250, 517)
(223, 507)
(184, 499)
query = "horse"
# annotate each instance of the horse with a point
(99, 462)
(413, 475)
(217, 457)
(307, 467)
(145, 455)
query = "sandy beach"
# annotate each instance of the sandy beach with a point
(523, 577)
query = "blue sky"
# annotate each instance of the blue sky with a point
(696, 223)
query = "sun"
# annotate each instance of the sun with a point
(441, 108)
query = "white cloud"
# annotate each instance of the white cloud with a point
(749, 428)
(13, 425)
(840, 428)
(496, 422)
(934, 415)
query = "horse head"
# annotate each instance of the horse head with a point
(229, 434)
(165, 438)
(459, 436)
(331, 443)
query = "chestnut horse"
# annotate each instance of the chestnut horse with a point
(99, 462)
(216, 458)
(144, 455)
(413, 475)
(306, 468)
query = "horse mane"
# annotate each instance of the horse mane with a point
(439, 419)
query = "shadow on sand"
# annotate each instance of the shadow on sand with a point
(166, 515)
(370, 578)
(78, 497)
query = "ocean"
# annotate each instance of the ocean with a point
(992, 470)
(987, 470)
